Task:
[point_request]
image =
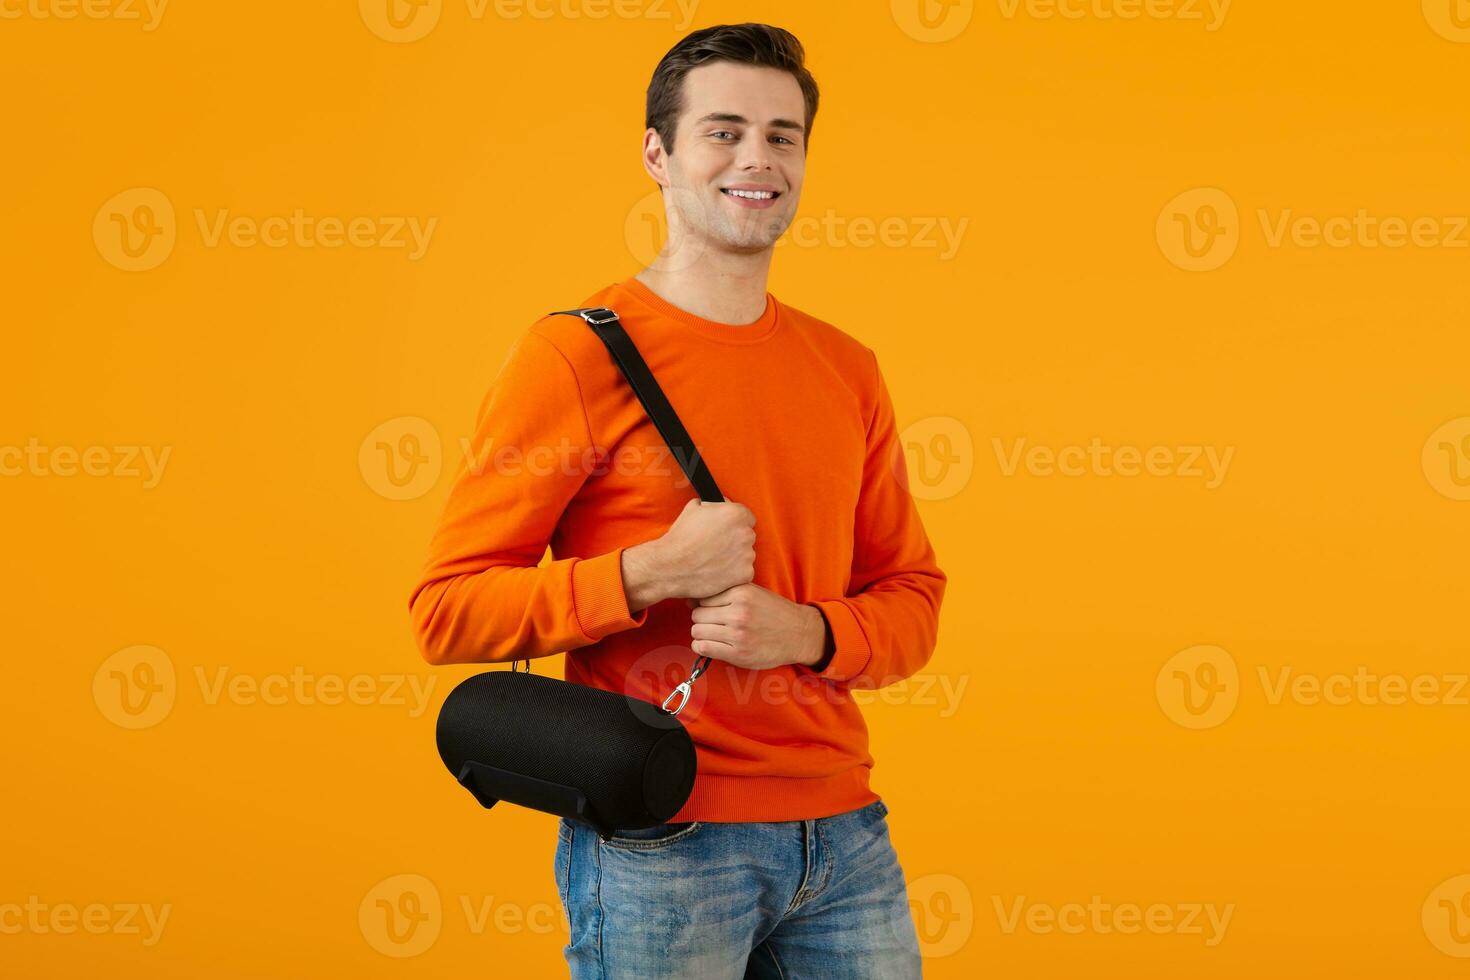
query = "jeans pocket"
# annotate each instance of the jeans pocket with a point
(652, 838)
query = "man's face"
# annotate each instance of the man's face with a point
(741, 130)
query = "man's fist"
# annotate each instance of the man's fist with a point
(708, 548)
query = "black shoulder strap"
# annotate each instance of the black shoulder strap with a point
(605, 324)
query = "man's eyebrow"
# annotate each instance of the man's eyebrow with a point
(735, 117)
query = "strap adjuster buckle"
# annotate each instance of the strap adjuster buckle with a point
(599, 315)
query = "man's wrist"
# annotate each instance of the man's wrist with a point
(643, 580)
(819, 652)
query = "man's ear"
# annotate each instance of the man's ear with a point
(655, 160)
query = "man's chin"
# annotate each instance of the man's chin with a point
(746, 247)
(754, 239)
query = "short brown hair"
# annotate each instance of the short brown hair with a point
(745, 44)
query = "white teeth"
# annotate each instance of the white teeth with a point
(752, 195)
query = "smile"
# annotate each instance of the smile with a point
(751, 195)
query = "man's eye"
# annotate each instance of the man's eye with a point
(785, 140)
(723, 132)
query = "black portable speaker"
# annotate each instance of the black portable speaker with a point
(606, 759)
(568, 749)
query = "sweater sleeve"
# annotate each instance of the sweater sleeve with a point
(885, 629)
(485, 595)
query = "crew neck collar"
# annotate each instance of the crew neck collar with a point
(725, 333)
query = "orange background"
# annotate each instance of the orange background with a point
(1073, 763)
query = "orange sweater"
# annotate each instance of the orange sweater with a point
(795, 422)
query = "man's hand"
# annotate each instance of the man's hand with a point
(709, 548)
(755, 628)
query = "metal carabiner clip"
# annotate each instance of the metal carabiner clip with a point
(686, 687)
(682, 691)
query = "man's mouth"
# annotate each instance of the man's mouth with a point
(752, 198)
(751, 195)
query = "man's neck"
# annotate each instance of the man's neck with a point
(735, 296)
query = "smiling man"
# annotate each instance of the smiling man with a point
(814, 578)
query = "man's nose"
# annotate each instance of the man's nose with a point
(755, 157)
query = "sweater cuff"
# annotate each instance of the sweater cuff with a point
(851, 652)
(599, 599)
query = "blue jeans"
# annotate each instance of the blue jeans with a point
(788, 899)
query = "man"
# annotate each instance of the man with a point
(813, 578)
